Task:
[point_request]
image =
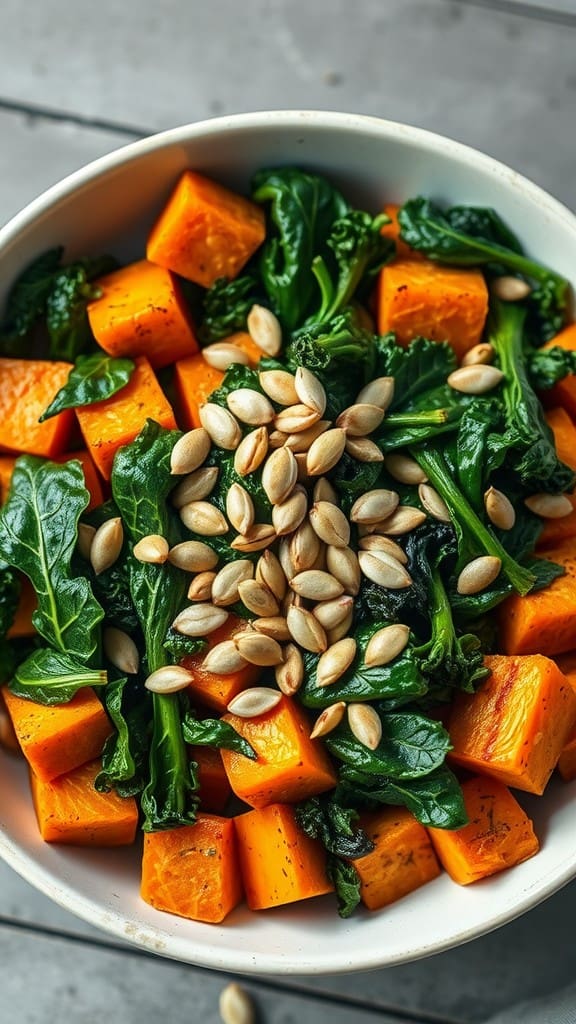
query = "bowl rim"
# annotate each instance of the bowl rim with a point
(58, 889)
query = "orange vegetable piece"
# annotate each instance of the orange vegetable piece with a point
(392, 230)
(564, 392)
(214, 786)
(27, 386)
(205, 231)
(93, 485)
(556, 531)
(564, 432)
(290, 766)
(499, 834)
(543, 622)
(515, 726)
(193, 871)
(116, 421)
(567, 760)
(8, 738)
(402, 860)
(22, 625)
(70, 810)
(142, 312)
(7, 463)
(59, 738)
(419, 297)
(195, 380)
(279, 864)
(216, 691)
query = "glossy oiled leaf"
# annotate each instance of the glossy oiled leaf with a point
(325, 819)
(212, 732)
(411, 746)
(124, 754)
(50, 677)
(170, 797)
(435, 800)
(93, 379)
(346, 883)
(38, 531)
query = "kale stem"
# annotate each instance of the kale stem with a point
(430, 417)
(436, 468)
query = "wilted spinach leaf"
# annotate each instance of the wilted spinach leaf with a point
(92, 379)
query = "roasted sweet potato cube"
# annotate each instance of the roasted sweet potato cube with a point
(290, 766)
(70, 810)
(543, 622)
(193, 871)
(27, 386)
(116, 421)
(205, 231)
(567, 760)
(7, 463)
(392, 230)
(499, 834)
(216, 691)
(564, 392)
(27, 605)
(564, 431)
(195, 380)
(419, 297)
(515, 726)
(142, 312)
(402, 860)
(556, 531)
(214, 786)
(279, 864)
(59, 738)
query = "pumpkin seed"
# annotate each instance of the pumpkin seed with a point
(222, 354)
(509, 288)
(236, 1006)
(359, 420)
(499, 509)
(305, 547)
(251, 451)
(285, 558)
(433, 503)
(342, 563)
(193, 556)
(264, 329)
(330, 524)
(386, 644)
(121, 650)
(152, 549)
(274, 626)
(300, 442)
(315, 585)
(478, 354)
(221, 425)
(365, 725)
(255, 701)
(341, 630)
(332, 612)
(189, 451)
(269, 572)
(86, 535)
(106, 545)
(257, 598)
(324, 491)
(169, 679)
(384, 570)
(249, 406)
(200, 588)
(290, 673)
(258, 536)
(478, 574)
(305, 630)
(404, 519)
(259, 649)
(226, 583)
(309, 390)
(377, 542)
(195, 486)
(328, 720)
(279, 475)
(290, 513)
(549, 506)
(363, 449)
(279, 385)
(325, 452)
(199, 620)
(379, 391)
(240, 508)
(224, 659)
(205, 519)
(277, 439)
(373, 506)
(404, 469)
(476, 379)
(296, 418)
(335, 661)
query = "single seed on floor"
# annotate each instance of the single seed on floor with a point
(306, 630)
(205, 519)
(270, 572)
(274, 626)
(296, 418)
(324, 491)
(378, 542)
(373, 506)
(384, 570)
(342, 562)
(328, 720)
(330, 524)
(359, 420)
(290, 513)
(169, 679)
(152, 549)
(236, 1006)
(365, 724)
(279, 475)
(335, 661)
(304, 548)
(86, 535)
(386, 644)
(363, 449)
(325, 452)
(300, 442)
(257, 598)
(404, 519)
(478, 574)
(255, 701)
(332, 612)
(316, 585)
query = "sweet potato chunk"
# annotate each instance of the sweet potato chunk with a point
(418, 297)
(499, 834)
(27, 604)
(392, 230)
(214, 691)
(564, 432)
(556, 531)
(116, 421)
(195, 380)
(567, 760)
(70, 810)
(290, 766)
(57, 739)
(142, 312)
(27, 386)
(564, 392)
(515, 726)
(543, 622)
(279, 864)
(193, 871)
(214, 786)
(205, 231)
(402, 860)
(7, 463)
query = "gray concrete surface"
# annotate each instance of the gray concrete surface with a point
(78, 80)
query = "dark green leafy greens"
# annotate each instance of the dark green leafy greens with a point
(125, 751)
(50, 677)
(323, 818)
(226, 306)
(92, 379)
(435, 799)
(411, 746)
(212, 732)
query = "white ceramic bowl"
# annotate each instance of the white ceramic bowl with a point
(110, 205)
